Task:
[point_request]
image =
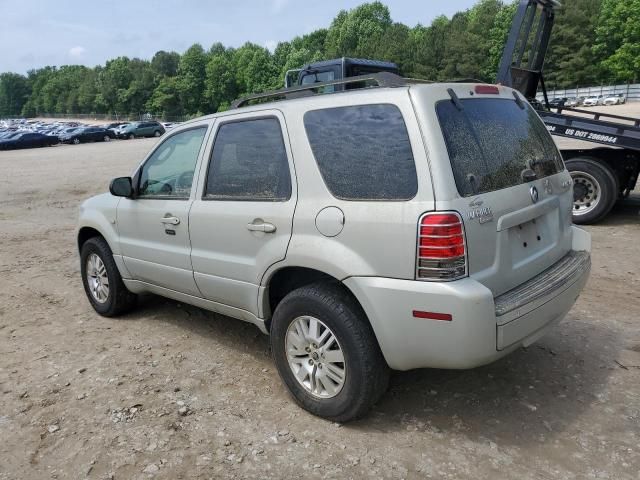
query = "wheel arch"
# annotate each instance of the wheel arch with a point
(86, 233)
(289, 278)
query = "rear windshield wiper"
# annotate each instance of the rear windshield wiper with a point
(528, 175)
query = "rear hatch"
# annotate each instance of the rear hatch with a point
(495, 163)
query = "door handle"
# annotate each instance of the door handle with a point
(261, 227)
(170, 220)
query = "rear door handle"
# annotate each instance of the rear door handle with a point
(261, 227)
(170, 220)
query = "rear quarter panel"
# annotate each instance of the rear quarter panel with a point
(378, 237)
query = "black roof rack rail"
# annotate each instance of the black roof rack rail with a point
(382, 79)
(465, 80)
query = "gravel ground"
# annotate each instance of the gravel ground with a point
(171, 391)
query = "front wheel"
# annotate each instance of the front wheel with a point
(326, 352)
(157, 133)
(106, 138)
(76, 141)
(131, 136)
(595, 189)
(102, 281)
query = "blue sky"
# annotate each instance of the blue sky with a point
(35, 33)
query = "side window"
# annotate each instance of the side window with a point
(249, 162)
(169, 170)
(363, 152)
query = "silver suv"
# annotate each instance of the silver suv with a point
(363, 230)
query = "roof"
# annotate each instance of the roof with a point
(352, 61)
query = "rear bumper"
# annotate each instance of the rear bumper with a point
(476, 335)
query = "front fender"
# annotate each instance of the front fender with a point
(100, 214)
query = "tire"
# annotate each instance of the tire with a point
(106, 138)
(366, 374)
(157, 133)
(76, 141)
(118, 299)
(131, 136)
(595, 189)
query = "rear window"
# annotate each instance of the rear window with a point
(493, 142)
(363, 152)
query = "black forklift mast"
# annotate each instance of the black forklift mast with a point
(523, 58)
(521, 68)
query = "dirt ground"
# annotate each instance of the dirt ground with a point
(87, 397)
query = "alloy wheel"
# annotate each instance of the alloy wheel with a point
(97, 278)
(315, 357)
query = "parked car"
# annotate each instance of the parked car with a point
(27, 140)
(593, 101)
(573, 102)
(617, 99)
(114, 125)
(87, 134)
(556, 102)
(142, 129)
(316, 219)
(120, 128)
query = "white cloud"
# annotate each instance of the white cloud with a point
(271, 45)
(77, 52)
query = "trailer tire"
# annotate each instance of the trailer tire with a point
(595, 189)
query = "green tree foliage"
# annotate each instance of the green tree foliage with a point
(190, 78)
(570, 60)
(14, 92)
(618, 39)
(165, 64)
(358, 32)
(165, 99)
(593, 41)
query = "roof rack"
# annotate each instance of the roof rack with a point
(382, 79)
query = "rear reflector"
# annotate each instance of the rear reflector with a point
(432, 315)
(487, 89)
(441, 251)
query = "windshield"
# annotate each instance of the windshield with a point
(495, 144)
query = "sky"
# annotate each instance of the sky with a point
(36, 33)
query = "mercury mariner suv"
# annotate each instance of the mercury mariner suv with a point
(396, 227)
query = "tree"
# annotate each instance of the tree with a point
(617, 41)
(165, 64)
(191, 77)
(358, 33)
(497, 39)
(14, 93)
(254, 69)
(165, 99)
(570, 60)
(593, 41)
(427, 45)
(220, 82)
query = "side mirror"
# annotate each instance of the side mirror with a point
(121, 187)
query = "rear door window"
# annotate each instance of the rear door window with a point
(495, 144)
(249, 162)
(363, 152)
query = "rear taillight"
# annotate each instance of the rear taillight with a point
(441, 247)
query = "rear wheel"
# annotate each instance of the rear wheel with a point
(106, 138)
(76, 141)
(326, 352)
(102, 281)
(131, 136)
(156, 133)
(595, 189)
